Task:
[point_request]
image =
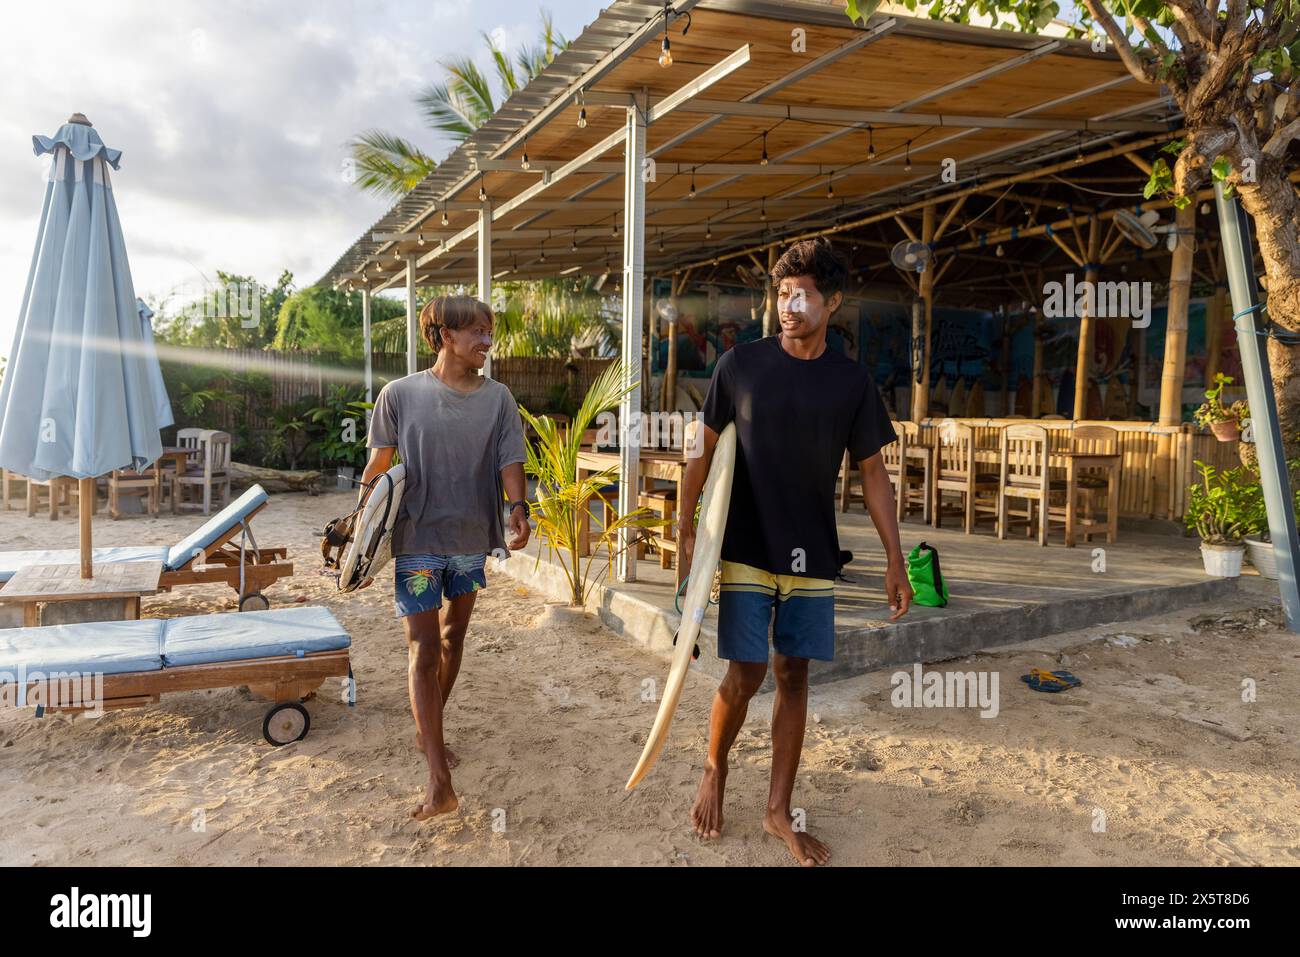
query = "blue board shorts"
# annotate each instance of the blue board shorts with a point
(423, 581)
(800, 611)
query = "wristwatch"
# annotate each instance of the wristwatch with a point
(515, 505)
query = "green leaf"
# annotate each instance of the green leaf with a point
(1221, 168)
(1174, 146)
(1182, 202)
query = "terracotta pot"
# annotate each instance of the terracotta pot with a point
(1229, 431)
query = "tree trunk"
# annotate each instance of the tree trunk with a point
(1275, 210)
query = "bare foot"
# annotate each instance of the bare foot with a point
(706, 815)
(803, 847)
(452, 759)
(440, 799)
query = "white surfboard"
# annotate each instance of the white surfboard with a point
(370, 547)
(715, 501)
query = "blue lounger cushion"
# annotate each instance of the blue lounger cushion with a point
(10, 562)
(173, 558)
(107, 647)
(239, 636)
(207, 533)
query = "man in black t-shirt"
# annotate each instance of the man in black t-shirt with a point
(797, 406)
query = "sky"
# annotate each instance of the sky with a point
(232, 118)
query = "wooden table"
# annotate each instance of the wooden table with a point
(121, 582)
(668, 466)
(1073, 464)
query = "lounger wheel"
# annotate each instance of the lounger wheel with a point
(286, 723)
(254, 601)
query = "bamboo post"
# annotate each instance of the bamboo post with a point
(669, 397)
(1175, 362)
(1008, 389)
(921, 390)
(769, 312)
(1083, 365)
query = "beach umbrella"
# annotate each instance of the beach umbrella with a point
(162, 405)
(76, 399)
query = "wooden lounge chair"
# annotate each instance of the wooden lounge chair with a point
(222, 549)
(284, 655)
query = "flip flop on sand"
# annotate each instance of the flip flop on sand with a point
(1050, 681)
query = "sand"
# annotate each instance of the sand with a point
(1154, 760)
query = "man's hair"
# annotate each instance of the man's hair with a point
(450, 312)
(816, 258)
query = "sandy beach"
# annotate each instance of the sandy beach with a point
(1154, 760)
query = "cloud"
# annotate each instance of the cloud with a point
(233, 120)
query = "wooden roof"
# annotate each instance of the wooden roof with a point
(997, 102)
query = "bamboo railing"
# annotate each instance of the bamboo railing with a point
(1157, 465)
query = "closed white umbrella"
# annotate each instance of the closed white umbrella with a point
(76, 400)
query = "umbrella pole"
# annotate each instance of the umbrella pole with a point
(85, 502)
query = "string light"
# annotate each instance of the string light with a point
(763, 160)
(871, 145)
(907, 161)
(523, 163)
(582, 111)
(444, 217)
(691, 194)
(708, 229)
(830, 188)
(482, 193)
(665, 48)
(762, 209)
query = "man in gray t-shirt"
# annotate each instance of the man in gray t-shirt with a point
(461, 439)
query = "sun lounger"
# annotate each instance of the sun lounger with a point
(222, 549)
(283, 655)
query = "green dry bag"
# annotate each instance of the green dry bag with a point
(928, 586)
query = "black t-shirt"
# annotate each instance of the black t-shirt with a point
(794, 419)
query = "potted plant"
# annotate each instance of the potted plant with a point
(1223, 420)
(563, 499)
(1219, 509)
(1259, 543)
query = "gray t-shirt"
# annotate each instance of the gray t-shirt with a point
(454, 445)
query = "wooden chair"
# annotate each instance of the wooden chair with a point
(6, 477)
(214, 473)
(1024, 478)
(957, 472)
(918, 479)
(912, 482)
(146, 483)
(1094, 485)
(60, 491)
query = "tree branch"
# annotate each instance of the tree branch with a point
(1279, 141)
(1144, 27)
(1140, 69)
(1193, 15)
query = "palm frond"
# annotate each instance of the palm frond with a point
(387, 164)
(504, 70)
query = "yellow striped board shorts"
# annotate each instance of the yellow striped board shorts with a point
(799, 611)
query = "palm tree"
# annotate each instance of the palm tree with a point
(554, 317)
(391, 166)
